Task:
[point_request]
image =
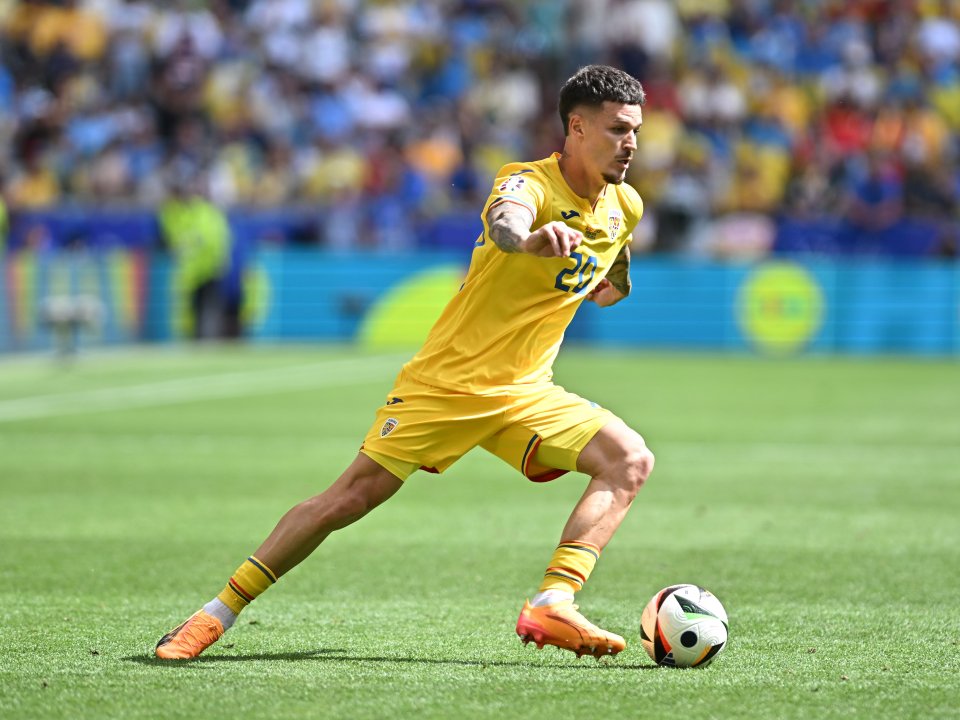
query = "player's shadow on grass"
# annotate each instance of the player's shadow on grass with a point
(336, 655)
(287, 656)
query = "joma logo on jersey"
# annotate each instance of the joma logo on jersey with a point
(591, 233)
(389, 426)
(614, 219)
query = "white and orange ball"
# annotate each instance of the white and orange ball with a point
(683, 626)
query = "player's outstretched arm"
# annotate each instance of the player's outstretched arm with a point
(509, 226)
(616, 285)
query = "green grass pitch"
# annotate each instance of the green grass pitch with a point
(819, 499)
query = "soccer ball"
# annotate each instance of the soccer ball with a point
(683, 626)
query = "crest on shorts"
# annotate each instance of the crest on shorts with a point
(388, 426)
(614, 219)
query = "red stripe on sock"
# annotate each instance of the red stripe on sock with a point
(239, 588)
(569, 571)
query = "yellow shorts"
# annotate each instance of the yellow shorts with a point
(539, 431)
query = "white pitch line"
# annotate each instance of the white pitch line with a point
(344, 371)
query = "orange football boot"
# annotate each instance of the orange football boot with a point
(561, 625)
(188, 640)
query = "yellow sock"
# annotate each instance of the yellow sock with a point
(250, 579)
(570, 566)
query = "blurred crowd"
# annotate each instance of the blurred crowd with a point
(385, 111)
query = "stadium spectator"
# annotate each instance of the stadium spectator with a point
(875, 195)
(67, 28)
(35, 185)
(684, 204)
(873, 205)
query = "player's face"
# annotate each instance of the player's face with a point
(610, 139)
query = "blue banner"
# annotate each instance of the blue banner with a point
(776, 307)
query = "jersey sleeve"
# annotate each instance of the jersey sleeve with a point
(632, 210)
(521, 184)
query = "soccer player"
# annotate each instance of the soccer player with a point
(555, 232)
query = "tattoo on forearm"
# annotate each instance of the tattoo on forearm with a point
(619, 274)
(509, 224)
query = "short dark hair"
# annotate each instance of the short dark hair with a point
(594, 85)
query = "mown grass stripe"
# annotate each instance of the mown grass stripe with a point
(198, 388)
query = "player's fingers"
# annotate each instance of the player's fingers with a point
(572, 238)
(553, 249)
(593, 294)
(563, 234)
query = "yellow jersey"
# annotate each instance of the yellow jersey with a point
(504, 327)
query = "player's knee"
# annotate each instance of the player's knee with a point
(351, 506)
(361, 488)
(637, 464)
(334, 510)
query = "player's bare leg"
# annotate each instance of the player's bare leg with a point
(362, 486)
(619, 462)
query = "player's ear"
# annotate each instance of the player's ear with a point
(575, 124)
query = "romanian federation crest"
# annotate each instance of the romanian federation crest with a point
(614, 220)
(388, 426)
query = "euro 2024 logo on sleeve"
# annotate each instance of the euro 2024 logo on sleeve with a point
(512, 184)
(780, 308)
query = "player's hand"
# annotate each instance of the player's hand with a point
(605, 294)
(555, 239)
